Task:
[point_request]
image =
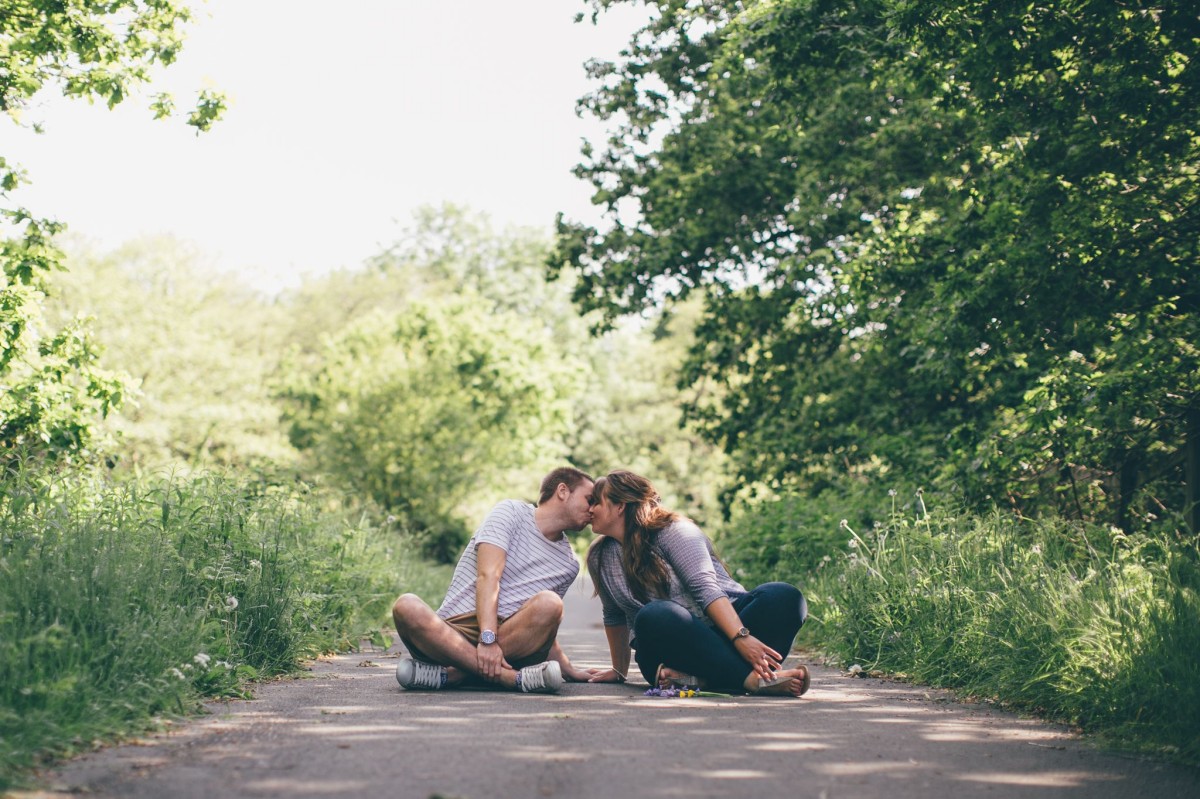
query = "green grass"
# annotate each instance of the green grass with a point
(120, 603)
(1077, 624)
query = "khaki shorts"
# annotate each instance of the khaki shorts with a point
(467, 625)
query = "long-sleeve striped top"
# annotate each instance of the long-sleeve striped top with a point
(697, 576)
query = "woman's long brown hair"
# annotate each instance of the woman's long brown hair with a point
(644, 518)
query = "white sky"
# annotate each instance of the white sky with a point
(344, 117)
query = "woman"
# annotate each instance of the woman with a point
(666, 594)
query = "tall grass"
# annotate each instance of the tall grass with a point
(1083, 625)
(122, 601)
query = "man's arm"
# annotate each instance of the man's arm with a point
(489, 565)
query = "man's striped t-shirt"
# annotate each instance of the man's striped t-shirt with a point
(531, 564)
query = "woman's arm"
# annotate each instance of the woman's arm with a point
(762, 658)
(618, 650)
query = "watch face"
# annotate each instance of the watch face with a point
(487, 637)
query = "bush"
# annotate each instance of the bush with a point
(778, 537)
(122, 601)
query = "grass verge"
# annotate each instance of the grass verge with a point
(121, 602)
(1077, 624)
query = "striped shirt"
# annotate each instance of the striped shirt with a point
(531, 563)
(697, 575)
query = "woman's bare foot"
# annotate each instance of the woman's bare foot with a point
(668, 677)
(786, 682)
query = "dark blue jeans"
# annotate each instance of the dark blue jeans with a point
(665, 632)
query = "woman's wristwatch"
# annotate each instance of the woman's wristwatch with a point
(742, 633)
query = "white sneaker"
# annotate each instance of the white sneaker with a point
(415, 674)
(544, 678)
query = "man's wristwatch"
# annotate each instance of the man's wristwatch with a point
(487, 637)
(742, 633)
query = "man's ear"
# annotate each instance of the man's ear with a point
(562, 492)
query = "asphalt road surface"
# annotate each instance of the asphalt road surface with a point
(348, 730)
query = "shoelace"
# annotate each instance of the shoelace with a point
(427, 675)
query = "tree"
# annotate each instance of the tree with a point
(422, 410)
(954, 240)
(605, 402)
(201, 352)
(51, 386)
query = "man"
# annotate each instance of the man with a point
(499, 621)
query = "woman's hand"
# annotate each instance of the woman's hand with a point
(762, 659)
(607, 675)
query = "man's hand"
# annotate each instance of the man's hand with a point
(489, 660)
(580, 675)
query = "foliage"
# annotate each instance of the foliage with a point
(51, 389)
(124, 601)
(1081, 624)
(789, 535)
(956, 239)
(599, 403)
(419, 411)
(200, 353)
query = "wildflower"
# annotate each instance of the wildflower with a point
(391, 519)
(231, 603)
(1036, 549)
(920, 491)
(844, 524)
(201, 660)
(178, 674)
(855, 670)
(891, 492)
(852, 543)
(256, 564)
(826, 559)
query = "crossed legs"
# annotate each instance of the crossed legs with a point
(530, 630)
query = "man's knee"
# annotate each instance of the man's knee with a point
(408, 610)
(546, 607)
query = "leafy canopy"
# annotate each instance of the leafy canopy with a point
(955, 240)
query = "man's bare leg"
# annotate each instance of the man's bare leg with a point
(532, 628)
(527, 631)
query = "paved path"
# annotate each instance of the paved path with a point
(349, 731)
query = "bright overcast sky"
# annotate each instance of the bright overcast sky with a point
(345, 116)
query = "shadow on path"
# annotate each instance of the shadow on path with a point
(349, 731)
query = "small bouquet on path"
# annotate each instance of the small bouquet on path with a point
(682, 693)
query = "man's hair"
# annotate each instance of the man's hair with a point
(564, 474)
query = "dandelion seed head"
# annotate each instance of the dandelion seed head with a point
(231, 603)
(201, 660)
